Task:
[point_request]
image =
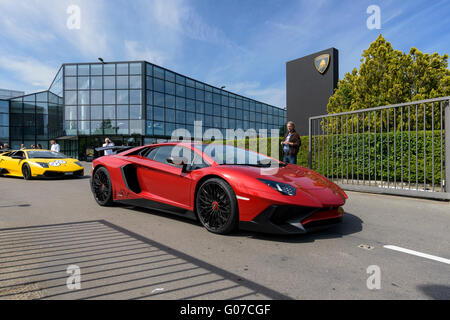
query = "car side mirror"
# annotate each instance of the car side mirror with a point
(18, 157)
(178, 161)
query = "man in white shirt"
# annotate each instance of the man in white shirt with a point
(108, 143)
(55, 147)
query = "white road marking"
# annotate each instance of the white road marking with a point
(242, 198)
(419, 254)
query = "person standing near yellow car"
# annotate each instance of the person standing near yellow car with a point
(55, 147)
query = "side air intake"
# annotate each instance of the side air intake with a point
(130, 178)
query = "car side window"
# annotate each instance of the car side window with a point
(18, 154)
(162, 153)
(150, 154)
(198, 162)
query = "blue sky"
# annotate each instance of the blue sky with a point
(243, 45)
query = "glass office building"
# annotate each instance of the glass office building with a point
(130, 102)
(4, 121)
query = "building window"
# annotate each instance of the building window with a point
(135, 68)
(122, 68)
(96, 97)
(70, 70)
(83, 83)
(135, 82)
(135, 97)
(135, 112)
(70, 83)
(122, 82)
(109, 69)
(122, 112)
(83, 69)
(96, 69)
(122, 96)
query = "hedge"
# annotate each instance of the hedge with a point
(388, 155)
(340, 146)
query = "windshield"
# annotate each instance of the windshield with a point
(46, 155)
(225, 154)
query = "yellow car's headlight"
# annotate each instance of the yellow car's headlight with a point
(42, 164)
(79, 163)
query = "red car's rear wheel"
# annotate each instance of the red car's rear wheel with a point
(102, 187)
(216, 206)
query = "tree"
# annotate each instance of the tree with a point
(387, 76)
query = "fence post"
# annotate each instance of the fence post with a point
(447, 144)
(310, 144)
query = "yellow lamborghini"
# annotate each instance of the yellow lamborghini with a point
(38, 163)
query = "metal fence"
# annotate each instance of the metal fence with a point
(398, 149)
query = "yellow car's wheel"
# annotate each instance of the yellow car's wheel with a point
(26, 171)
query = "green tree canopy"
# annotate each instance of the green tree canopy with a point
(387, 76)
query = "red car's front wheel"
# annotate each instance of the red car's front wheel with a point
(102, 187)
(216, 206)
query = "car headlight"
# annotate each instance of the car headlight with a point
(79, 163)
(282, 188)
(42, 164)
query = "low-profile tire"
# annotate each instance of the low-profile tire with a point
(26, 171)
(101, 187)
(216, 206)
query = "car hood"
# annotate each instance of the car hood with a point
(304, 179)
(61, 163)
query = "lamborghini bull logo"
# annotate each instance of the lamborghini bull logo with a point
(321, 63)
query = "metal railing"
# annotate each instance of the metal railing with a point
(398, 149)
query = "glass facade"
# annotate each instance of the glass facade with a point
(175, 101)
(128, 101)
(4, 121)
(35, 118)
(103, 99)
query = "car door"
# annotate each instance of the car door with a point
(4, 159)
(165, 182)
(14, 166)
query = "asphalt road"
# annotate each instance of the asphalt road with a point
(131, 253)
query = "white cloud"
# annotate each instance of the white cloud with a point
(134, 51)
(177, 15)
(39, 23)
(34, 74)
(271, 95)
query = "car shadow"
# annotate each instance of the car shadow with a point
(436, 291)
(49, 179)
(351, 224)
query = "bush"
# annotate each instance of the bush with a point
(389, 160)
(390, 165)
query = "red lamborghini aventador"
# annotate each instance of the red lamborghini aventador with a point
(222, 186)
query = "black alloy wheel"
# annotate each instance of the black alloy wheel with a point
(217, 207)
(102, 187)
(26, 171)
